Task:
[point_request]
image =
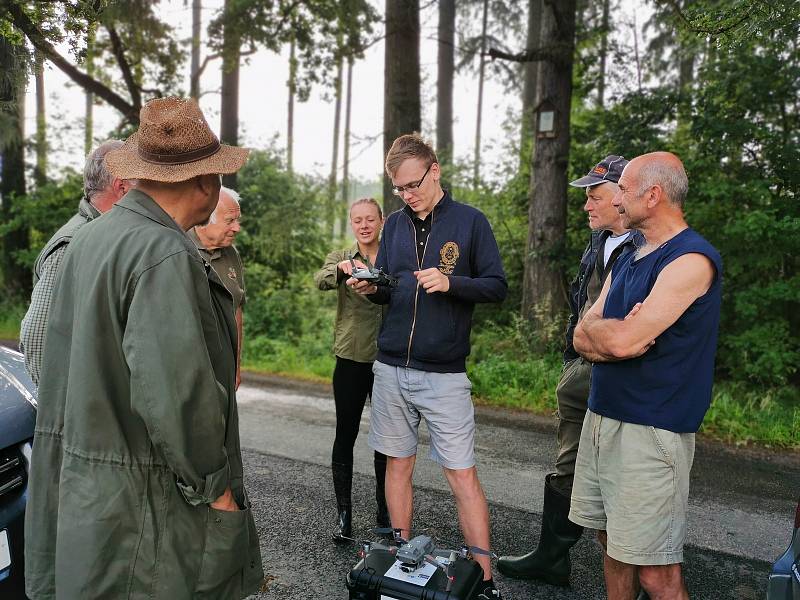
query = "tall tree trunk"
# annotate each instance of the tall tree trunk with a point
(401, 97)
(444, 81)
(337, 117)
(530, 85)
(88, 134)
(476, 169)
(229, 105)
(686, 55)
(292, 85)
(194, 77)
(636, 54)
(16, 278)
(543, 283)
(348, 106)
(601, 80)
(40, 172)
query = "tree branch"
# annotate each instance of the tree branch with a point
(124, 66)
(195, 80)
(557, 53)
(676, 8)
(24, 24)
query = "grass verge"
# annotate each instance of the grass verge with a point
(11, 313)
(506, 378)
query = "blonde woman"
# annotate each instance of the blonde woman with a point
(357, 323)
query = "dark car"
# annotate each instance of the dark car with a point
(17, 419)
(784, 579)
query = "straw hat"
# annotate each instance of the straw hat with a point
(174, 143)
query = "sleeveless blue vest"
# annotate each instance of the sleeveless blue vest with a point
(669, 386)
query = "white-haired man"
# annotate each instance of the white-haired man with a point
(214, 241)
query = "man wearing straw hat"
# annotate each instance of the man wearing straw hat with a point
(136, 476)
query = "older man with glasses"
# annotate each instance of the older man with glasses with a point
(446, 259)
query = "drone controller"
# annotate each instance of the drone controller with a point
(373, 275)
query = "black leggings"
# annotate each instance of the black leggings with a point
(352, 383)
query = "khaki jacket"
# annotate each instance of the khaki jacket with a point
(137, 429)
(357, 319)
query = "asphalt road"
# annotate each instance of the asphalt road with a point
(741, 505)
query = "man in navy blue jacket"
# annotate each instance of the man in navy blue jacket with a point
(446, 259)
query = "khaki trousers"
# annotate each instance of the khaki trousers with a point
(572, 393)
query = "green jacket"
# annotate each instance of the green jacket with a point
(137, 428)
(357, 319)
(86, 212)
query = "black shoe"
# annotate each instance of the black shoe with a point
(343, 531)
(342, 484)
(550, 561)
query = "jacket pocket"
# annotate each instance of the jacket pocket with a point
(225, 554)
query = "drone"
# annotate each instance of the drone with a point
(420, 550)
(372, 274)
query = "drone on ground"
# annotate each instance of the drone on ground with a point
(419, 551)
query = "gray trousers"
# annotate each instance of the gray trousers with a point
(572, 394)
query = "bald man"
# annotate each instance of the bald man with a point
(652, 336)
(214, 241)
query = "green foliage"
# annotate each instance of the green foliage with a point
(41, 213)
(322, 31)
(746, 416)
(281, 224)
(503, 373)
(288, 322)
(740, 147)
(11, 312)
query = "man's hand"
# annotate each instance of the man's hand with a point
(636, 308)
(346, 266)
(361, 286)
(433, 280)
(225, 502)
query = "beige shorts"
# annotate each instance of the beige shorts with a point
(633, 482)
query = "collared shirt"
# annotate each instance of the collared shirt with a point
(423, 229)
(357, 319)
(227, 263)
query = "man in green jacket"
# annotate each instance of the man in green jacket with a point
(101, 191)
(136, 475)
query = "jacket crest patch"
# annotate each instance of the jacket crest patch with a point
(449, 257)
(232, 273)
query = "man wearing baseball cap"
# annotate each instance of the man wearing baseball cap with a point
(136, 474)
(550, 562)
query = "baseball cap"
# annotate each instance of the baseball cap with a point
(608, 169)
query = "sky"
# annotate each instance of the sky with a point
(263, 103)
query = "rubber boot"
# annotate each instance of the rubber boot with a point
(342, 486)
(382, 515)
(550, 561)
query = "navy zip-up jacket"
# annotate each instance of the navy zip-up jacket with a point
(430, 332)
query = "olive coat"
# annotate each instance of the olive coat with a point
(137, 429)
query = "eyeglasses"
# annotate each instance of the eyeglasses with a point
(398, 190)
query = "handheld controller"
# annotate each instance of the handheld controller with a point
(376, 276)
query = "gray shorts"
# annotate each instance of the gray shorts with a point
(402, 396)
(633, 482)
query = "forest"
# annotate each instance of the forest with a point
(715, 81)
